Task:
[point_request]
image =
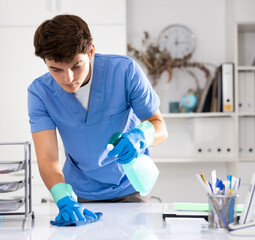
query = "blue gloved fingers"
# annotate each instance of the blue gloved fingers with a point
(62, 216)
(80, 215)
(62, 223)
(88, 213)
(65, 216)
(74, 215)
(127, 148)
(68, 214)
(119, 147)
(125, 161)
(58, 217)
(128, 156)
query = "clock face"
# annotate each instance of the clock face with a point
(177, 40)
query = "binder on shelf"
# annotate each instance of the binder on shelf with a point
(247, 137)
(228, 87)
(211, 97)
(208, 99)
(250, 137)
(242, 137)
(219, 91)
(204, 95)
(241, 91)
(246, 88)
(249, 96)
(214, 101)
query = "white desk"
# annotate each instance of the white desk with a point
(122, 221)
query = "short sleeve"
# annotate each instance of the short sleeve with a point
(39, 118)
(144, 100)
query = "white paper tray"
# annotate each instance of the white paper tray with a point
(7, 205)
(9, 167)
(11, 186)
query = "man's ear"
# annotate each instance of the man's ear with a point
(92, 51)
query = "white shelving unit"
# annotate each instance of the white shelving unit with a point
(245, 90)
(199, 137)
(215, 133)
(219, 137)
(245, 100)
(197, 115)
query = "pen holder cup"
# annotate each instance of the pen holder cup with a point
(221, 211)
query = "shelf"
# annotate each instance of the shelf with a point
(197, 115)
(246, 114)
(190, 160)
(246, 27)
(246, 68)
(9, 206)
(8, 167)
(247, 159)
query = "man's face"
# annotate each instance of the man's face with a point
(71, 76)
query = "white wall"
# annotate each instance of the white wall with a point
(205, 18)
(19, 66)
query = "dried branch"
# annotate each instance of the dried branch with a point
(157, 61)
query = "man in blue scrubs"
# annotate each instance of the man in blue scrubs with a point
(88, 97)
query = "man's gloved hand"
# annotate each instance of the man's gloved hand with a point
(71, 213)
(127, 145)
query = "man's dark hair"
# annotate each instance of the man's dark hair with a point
(62, 38)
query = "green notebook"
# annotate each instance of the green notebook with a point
(203, 207)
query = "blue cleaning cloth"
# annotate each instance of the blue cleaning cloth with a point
(88, 220)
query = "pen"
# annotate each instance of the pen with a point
(219, 186)
(233, 182)
(229, 177)
(210, 186)
(214, 179)
(239, 182)
(226, 186)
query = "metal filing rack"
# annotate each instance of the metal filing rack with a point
(26, 183)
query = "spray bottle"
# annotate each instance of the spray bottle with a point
(141, 171)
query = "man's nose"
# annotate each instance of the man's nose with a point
(69, 76)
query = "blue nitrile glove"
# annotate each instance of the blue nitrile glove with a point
(71, 213)
(126, 146)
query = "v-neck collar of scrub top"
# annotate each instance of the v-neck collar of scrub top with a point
(91, 116)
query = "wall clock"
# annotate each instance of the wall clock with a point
(177, 40)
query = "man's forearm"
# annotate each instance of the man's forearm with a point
(51, 173)
(160, 132)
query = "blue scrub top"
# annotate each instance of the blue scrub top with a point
(120, 95)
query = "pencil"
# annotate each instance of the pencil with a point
(202, 176)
